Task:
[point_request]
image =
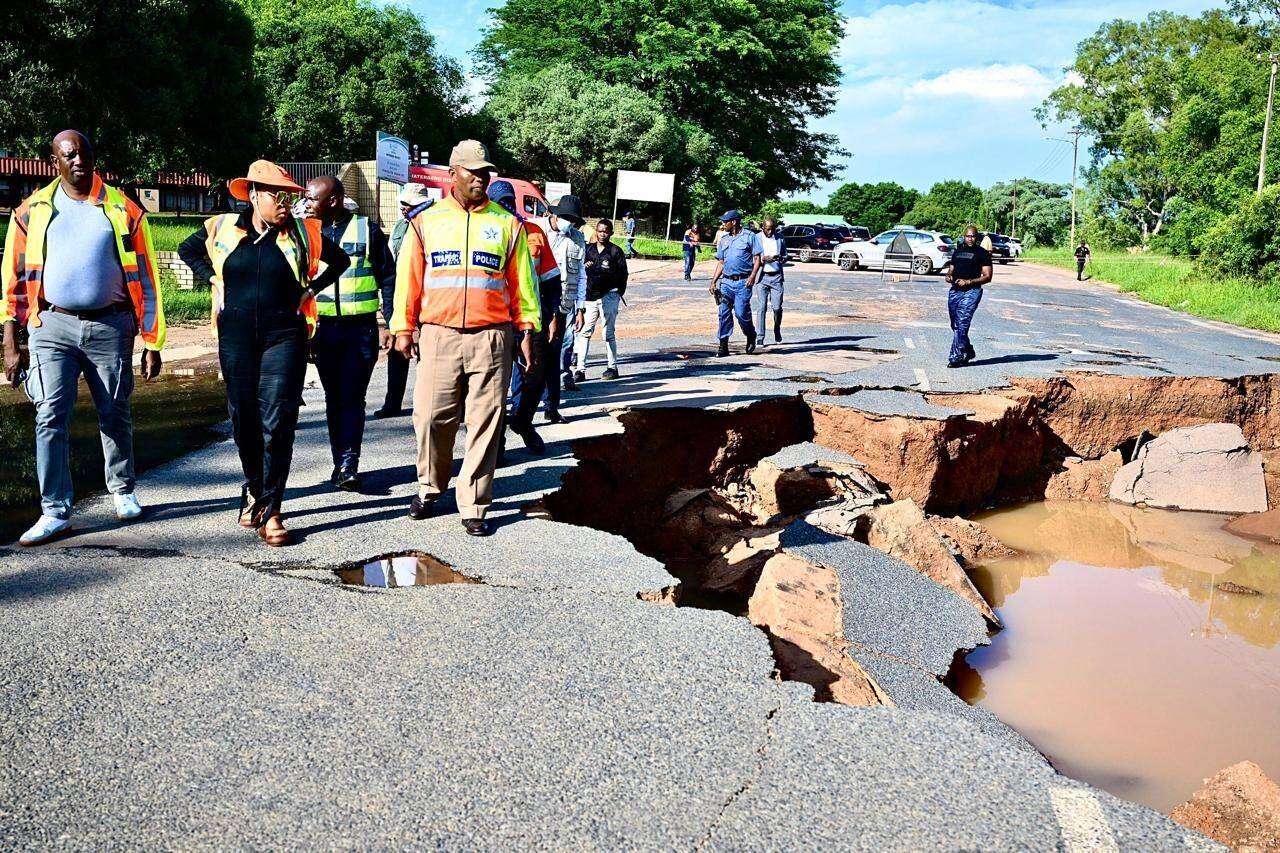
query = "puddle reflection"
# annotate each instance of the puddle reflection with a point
(1123, 658)
(402, 571)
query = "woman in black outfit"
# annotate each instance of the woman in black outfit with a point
(265, 268)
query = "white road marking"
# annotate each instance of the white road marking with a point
(1017, 335)
(1084, 827)
(922, 380)
(910, 343)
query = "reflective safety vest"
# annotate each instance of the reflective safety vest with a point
(357, 291)
(466, 269)
(22, 272)
(224, 235)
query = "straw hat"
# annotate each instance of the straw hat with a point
(265, 173)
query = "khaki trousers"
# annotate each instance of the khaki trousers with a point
(462, 375)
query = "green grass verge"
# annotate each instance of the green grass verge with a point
(1179, 283)
(652, 247)
(184, 306)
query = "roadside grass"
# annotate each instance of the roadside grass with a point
(184, 306)
(652, 247)
(168, 231)
(1179, 283)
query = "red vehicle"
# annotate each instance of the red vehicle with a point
(529, 199)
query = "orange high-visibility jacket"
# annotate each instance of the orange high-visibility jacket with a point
(465, 269)
(223, 235)
(22, 275)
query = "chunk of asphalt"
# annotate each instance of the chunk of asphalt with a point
(916, 780)
(807, 453)
(916, 690)
(888, 606)
(890, 402)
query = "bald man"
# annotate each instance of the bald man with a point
(86, 289)
(347, 336)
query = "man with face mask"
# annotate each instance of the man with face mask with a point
(569, 245)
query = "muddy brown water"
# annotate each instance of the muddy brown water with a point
(1122, 658)
(401, 571)
(172, 416)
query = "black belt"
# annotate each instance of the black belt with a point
(90, 314)
(738, 277)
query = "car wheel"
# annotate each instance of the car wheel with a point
(848, 262)
(805, 255)
(1002, 261)
(922, 265)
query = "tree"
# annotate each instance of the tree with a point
(337, 71)
(111, 71)
(1173, 108)
(560, 123)
(873, 206)
(741, 78)
(948, 206)
(1043, 210)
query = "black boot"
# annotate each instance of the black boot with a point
(751, 343)
(777, 325)
(724, 348)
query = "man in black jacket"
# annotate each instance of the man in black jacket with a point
(606, 267)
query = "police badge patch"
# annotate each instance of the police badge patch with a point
(488, 260)
(446, 258)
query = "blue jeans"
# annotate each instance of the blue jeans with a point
(735, 301)
(961, 305)
(689, 255)
(63, 348)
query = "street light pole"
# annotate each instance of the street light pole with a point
(1075, 157)
(1273, 58)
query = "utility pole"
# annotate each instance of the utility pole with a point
(1075, 134)
(1274, 59)
(1013, 228)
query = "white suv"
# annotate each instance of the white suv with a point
(930, 251)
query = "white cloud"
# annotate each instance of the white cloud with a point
(987, 83)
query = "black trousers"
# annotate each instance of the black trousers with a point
(397, 378)
(528, 387)
(264, 364)
(346, 353)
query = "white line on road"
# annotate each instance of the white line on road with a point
(923, 380)
(1084, 826)
(910, 343)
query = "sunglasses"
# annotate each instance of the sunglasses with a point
(285, 197)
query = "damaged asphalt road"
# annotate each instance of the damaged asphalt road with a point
(174, 683)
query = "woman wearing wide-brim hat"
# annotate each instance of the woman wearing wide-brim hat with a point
(265, 268)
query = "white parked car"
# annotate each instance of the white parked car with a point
(930, 252)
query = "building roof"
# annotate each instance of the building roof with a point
(35, 167)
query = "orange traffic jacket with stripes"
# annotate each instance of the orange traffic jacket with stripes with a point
(465, 269)
(22, 272)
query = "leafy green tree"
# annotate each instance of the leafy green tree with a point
(559, 123)
(1246, 243)
(337, 71)
(799, 206)
(948, 206)
(1172, 108)
(873, 206)
(114, 72)
(1039, 208)
(742, 78)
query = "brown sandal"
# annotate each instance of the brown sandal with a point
(274, 532)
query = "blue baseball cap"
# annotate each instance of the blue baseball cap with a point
(504, 194)
(730, 215)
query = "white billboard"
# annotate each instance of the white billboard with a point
(393, 158)
(646, 186)
(557, 190)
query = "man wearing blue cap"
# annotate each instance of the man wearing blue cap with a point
(737, 267)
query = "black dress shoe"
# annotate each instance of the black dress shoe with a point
(477, 527)
(384, 413)
(556, 418)
(751, 344)
(420, 509)
(348, 479)
(532, 440)
(568, 384)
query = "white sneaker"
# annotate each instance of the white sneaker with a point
(44, 530)
(127, 507)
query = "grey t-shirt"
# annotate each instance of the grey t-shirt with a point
(81, 265)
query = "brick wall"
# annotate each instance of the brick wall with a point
(171, 262)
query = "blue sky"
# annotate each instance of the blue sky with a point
(932, 89)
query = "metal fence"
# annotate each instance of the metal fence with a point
(303, 172)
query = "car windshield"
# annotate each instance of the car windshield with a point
(946, 239)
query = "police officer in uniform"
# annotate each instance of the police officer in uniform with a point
(347, 340)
